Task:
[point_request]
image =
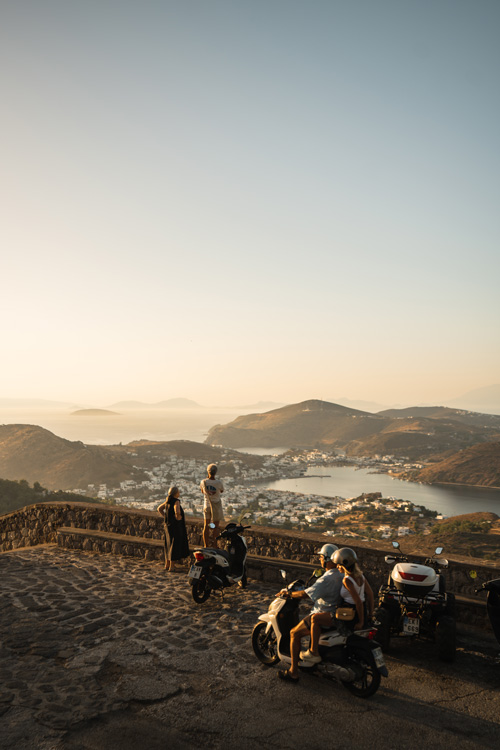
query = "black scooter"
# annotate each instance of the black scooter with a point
(215, 569)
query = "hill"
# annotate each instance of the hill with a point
(444, 414)
(478, 465)
(94, 413)
(31, 453)
(470, 535)
(37, 455)
(14, 495)
(307, 424)
(486, 399)
(415, 433)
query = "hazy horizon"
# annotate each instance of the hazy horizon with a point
(238, 202)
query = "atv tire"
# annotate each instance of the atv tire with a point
(446, 638)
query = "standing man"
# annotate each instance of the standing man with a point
(212, 489)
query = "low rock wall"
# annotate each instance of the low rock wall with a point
(39, 524)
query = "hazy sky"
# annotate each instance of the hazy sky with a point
(242, 200)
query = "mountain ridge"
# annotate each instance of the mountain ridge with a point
(417, 432)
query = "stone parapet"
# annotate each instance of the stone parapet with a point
(126, 531)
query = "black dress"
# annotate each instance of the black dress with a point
(176, 541)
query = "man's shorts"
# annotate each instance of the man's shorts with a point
(213, 512)
(307, 621)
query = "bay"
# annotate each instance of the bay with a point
(347, 481)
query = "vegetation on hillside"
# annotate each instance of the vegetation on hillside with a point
(18, 494)
(477, 465)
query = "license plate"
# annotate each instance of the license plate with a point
(379, 657)
(411, 625)
(194, 571)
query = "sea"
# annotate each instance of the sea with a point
(194, 424)
(113, 429)
(347, 481)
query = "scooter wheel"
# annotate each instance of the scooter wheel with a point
(264, 644)
(201, 590)
(367, 681)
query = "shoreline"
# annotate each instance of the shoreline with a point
(445, 484)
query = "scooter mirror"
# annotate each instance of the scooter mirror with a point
(473, 574)
(438, 550)
(395, 545)
(211, 526)
(283, 574)
(318, 572)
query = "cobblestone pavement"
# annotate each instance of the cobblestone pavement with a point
(103, 652)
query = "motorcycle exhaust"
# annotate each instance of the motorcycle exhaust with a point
(336, 672)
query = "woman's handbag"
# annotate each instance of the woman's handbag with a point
(345, 613)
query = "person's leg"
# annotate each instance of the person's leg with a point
(166, 543)
(218, 520)
(207, 515)
(215, 532)
(318, 620)
(296, 634)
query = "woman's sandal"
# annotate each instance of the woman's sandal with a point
(285, 674)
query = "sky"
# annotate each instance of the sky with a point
(245, 200)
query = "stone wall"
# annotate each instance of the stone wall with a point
(125, 531)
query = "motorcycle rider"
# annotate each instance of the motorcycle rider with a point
(325, 593)
(356, 591)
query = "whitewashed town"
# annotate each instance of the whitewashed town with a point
(245, 493)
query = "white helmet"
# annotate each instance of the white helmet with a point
(327, 550)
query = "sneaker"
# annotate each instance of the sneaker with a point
(309, 658)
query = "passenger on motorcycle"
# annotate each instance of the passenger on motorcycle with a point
(325, 593)
(356, 591)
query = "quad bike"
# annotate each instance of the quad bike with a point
(414, 604)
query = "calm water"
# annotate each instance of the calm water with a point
(168, 424)
(347, 481)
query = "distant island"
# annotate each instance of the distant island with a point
(94, 413)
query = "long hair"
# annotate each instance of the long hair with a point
(357, 574)
(172, 491)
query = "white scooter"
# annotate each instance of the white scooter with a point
(352, 658)
(215, 569)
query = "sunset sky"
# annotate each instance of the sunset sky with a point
(235, 200)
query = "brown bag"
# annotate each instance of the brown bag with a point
(345, 613)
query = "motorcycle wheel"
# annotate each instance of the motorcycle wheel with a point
(201, 590)
(446, 638)
(264, 644)
(383, 617)
(450, 605)
(369, 680)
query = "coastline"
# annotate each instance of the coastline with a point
(444, 484)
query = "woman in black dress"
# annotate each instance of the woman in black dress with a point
(176, 541)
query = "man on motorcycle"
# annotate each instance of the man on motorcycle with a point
(325, 593)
